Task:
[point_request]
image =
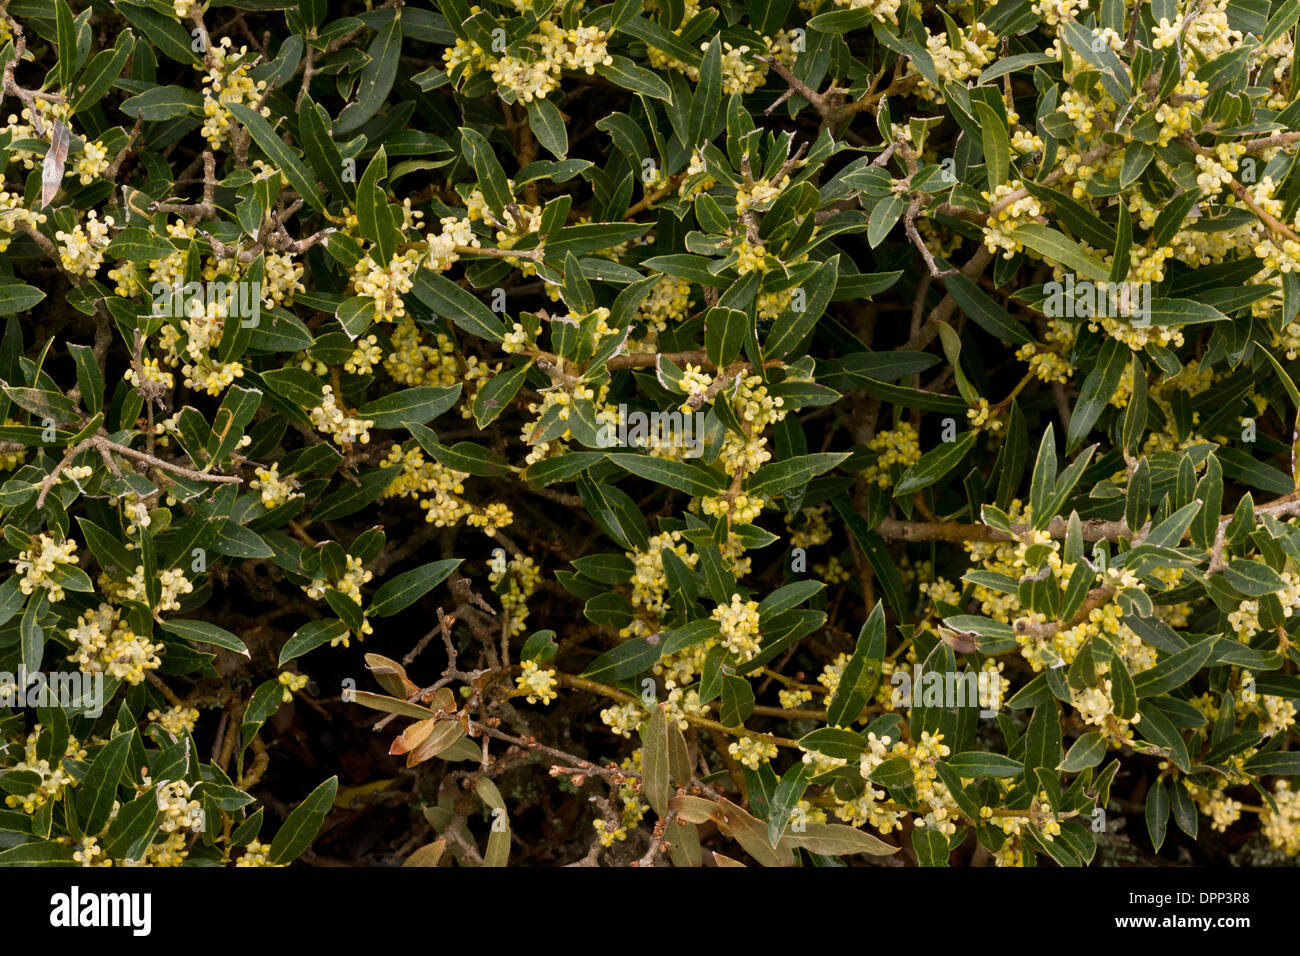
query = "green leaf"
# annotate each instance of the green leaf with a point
(404, 590)
(446, 298)
(931, 847)
(737, 700)
(98, 791)
(495, 396)
(1050, 243)
(309, 637)
(724, 334)
(861, 673)
(547, 124)
(205, 633)
(163, 103)
(1278, 763)
(383, 58)
(1098, 388)
(1043, 738)
(1253, 578)
(628, 659)
(935, 464)
(101, 73)
(630, 76)
(491, 177)
(17, 296)
(972, 764)
(794, 782)
(793, 326)
(777, 477)
(420, 405)
(280, 155)
(884, 216)
(1157, 813)
(684, 476)
(65, 31)
(133, 828)
(300, 829)
(1088, 751)
(43, 853)
(1174, 671)
(997, 142)
(989, 316)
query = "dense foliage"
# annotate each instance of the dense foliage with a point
(843, 430)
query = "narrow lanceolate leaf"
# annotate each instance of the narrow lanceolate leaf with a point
(280, 155)
(1157, 813)
(377, 77)
(997, 143)
(311, 636)
(1051, 244)
(935, 464)
(1098, 388)
(654, 760)
(206, 633)
(448, 299)
(1174, 671)
(420, 405)
(684, 476)
(861, 674)
(884, 216)
(405, 589)
(780, 476)
(788, 793)
(300, 829)
(98, 791)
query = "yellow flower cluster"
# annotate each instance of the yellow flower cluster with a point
(105, 644)
(386, 284)
(256, 854)
(53, 779)
(175, 720)
(365, 356)
(292, 683)
(228, 82)
(999, 231)
(900, 445)
(522, 579)
(178, 811)
(752, 752)
(1283, 827)
(83, 248)
(982, 415)
(39, 565)
(457, 233)
(739, 623)
(544, 56)
(330, 418)
(13, 214)
(537, 683)
(273, 489)
(649, 584)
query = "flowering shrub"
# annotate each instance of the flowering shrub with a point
(639, 432)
